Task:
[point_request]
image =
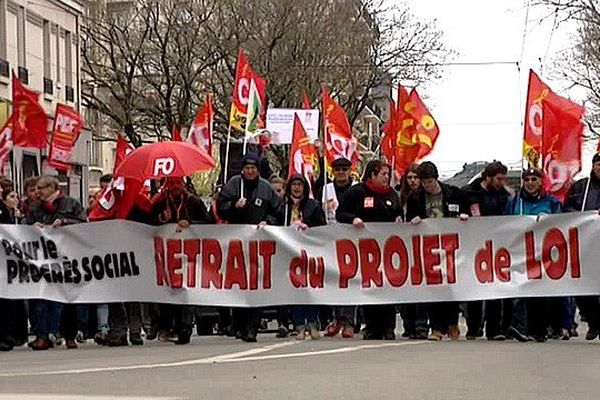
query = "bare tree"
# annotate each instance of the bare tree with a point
(580, 64)
(145, 68)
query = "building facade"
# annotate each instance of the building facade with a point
(39, 41)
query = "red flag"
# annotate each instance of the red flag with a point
(119, 197)
(303, 156)
(410, 132)
(201, 131)
(562, 136)
(67, 126)
(305, 101)
(30, 123)
(176, 134)
(6, 143)
(537, 94)
(244, 75)
(339, 141)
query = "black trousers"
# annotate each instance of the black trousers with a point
(176, 318)
(380, 318)
(442, 315)
(246, 321)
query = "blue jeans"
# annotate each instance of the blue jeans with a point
(46, 315)
(102, 313)
(305, 316)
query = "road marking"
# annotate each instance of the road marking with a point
(36, 396)
(207, 360)
(241, 356)
(319, 352)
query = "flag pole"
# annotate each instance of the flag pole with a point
(586, 193)
(227, 146)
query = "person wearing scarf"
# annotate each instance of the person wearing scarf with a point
(301, 212)
(373, 200)
(175, 205)
(530, 317)
(54, 210)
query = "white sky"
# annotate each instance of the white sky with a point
(479, 108)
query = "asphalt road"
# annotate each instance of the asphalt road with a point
(224, 368)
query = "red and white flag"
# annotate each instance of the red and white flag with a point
(30, 122)
(304, 159)
(201, 131)
(67, 127)
(6, 143)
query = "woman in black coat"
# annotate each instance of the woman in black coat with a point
(373, 200)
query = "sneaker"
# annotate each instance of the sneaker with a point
(164, 336)
(100, 338)
(314, 333)
(471, 337)
(117, 341)
(71, 344)
(40, 344)
(435, 336)
(333, 329)
(518, 335)
(183, 338)
(421, 336)
(592, 334)
(55, 339)
(80, 337)
(348, 332)
(573, 332)
(565, 334)
(282, 332)
(540, 338)
(453, 332)
(302, 335)
(136, 339)
(6, 346)
(389, 334)
(497, 338)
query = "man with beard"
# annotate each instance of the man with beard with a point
(487, 196)
(248, 199)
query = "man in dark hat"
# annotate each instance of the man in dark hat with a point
(584, 196)
(248, 199)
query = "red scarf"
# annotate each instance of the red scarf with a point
(378, 188)
(51, 206)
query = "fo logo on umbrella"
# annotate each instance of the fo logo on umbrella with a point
(164, 166)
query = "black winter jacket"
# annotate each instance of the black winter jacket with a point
(454, 199)
(66, 208)
(261, 203)
(491, 202)
(574, 199)
(360, 202)
(311, 209)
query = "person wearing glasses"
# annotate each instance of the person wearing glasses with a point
(530, 318)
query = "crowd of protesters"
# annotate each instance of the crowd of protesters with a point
(249, 198)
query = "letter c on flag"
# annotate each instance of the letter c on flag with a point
(244, 91)
(164, 165)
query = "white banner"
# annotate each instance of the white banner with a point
(438, 260)
(280, 122)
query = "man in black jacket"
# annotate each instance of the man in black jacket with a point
(248, 199)
(487, 196)
(438, 200)
(585, 196)
(55, 210)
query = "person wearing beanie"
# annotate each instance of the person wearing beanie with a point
(530, 317)
(300, 211)
(584, 195)
(438, 200)
(247, 199)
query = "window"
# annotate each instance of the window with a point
(68, 59)
(57, 53)
(46, 45)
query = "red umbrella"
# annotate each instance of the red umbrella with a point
(164, 160)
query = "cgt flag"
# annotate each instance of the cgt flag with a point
(339, 142)
(539, 93)
(244, 76)
(562, 138)
(67, 127)
(30, 122)
(201, 131)
(304, 159)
